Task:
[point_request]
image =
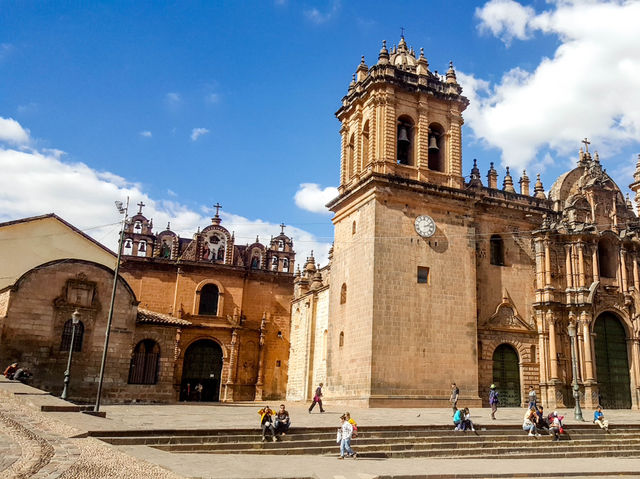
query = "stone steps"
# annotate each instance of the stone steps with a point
(584, 440)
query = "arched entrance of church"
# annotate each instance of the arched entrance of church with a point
(612, 362)
(506, 375)
(202, 365)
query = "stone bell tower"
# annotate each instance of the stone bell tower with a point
(393, 303)
(400, 118)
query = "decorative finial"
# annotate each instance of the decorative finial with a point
(538, 189)
(282, 226)
(216, 219)
(507, 184)
(402, 32)
(586, 144)
(168, 225)
(141, 204)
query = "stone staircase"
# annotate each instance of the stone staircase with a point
(492, 442)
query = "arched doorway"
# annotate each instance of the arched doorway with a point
(506, 375)
(202, 365)
(612, 362)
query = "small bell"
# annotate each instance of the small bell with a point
(402, 135)
(433, 143)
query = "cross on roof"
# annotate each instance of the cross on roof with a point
(402, 32)
(141, 204)
(282, 225)
(586, 144)
(217, 206)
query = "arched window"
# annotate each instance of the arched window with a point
(142, 248)
(607, 258)
(496, 250)
(285, 265)
(137, 227)
(436, 147)
(144, 363)
(67, 331)
(351, 151)
(280, 245)
(128, 247)
(365, 144)
(341, 340)
(274, 263)
(404, 144)
(343, 293)
(209, 296)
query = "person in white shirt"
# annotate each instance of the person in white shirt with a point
(346, 430)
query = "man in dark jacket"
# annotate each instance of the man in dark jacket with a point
(317, 399)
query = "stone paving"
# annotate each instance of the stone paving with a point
(47, 445)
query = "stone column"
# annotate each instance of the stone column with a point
(539, 248)
(594, 261)
(231, 375)
(581, 275)
(547, 264)
(590, 387)
(636, 280)
(553, 352)
(568, 266)
(623, 269)
(260, 382)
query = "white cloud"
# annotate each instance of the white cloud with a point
(505, 19)
(12, 132)
(198, 132)
(173, 99)
(170, 192)
(146, 134)
(318, 17)
(212, 98)
(85, 197)
(588, 88)
(311, 198)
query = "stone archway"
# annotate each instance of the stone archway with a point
(612, 362)
(506, 375)
(202, 365)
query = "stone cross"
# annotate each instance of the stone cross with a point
(141, 204)
(217, 206)
(586, 144)
(282, 225)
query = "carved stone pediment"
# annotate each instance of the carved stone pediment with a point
(506, 318)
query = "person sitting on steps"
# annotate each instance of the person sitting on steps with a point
(283, 421)
(598, 418)
(266, 423)
(528, 423)
(467, 424)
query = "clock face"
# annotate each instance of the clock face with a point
(425, 226)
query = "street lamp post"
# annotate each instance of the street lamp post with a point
(75, 319)
(123, 210)
(574, 365)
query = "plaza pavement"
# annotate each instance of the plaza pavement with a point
(73, 458)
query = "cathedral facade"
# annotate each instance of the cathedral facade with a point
(435, 279)
(233, 299)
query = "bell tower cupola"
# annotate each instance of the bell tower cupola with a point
(399, 118)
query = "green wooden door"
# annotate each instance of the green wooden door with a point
(506, 375)
(612, 363)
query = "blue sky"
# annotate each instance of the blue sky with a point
(186, 104)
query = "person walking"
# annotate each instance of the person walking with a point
(532, 397)
(317, 398)
(345, 431)
(455, 393)
(493, 400)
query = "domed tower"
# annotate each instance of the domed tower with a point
(400, 118)
(138, 235)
